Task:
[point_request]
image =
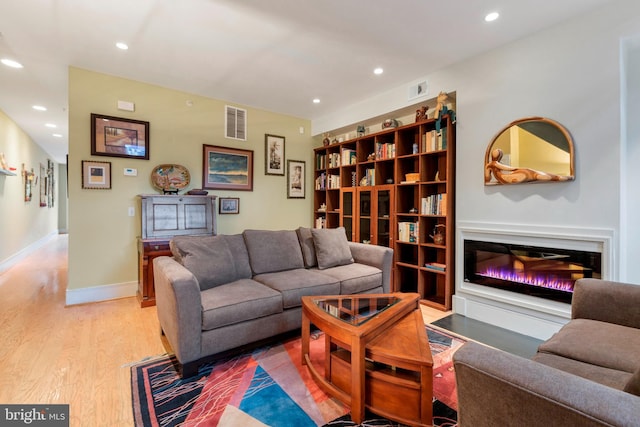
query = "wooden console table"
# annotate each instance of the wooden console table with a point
(377, 354)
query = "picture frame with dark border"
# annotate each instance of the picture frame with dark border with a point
(229, 205)
(225, 168)
(296, 182)
(274, 154)
(96, 175)
(118, 137)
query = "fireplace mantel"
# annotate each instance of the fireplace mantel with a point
(524, 314)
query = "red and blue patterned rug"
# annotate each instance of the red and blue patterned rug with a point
(267, 387)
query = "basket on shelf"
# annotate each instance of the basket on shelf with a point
(412, 177)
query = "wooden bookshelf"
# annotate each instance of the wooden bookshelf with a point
(395, 188)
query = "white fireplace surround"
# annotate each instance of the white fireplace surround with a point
(528, 315)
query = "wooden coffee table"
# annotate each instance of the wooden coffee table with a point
(377, 354)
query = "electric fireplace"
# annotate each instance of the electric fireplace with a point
(543, 272)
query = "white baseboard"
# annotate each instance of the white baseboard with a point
(101, 293)
(24, 252)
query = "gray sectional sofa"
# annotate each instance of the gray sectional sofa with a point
(587, 374)
(218, 293)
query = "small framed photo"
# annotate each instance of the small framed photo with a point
(225, 168)
(295, 179)
(229, 205)
(116, 137)
(273, 155)
(96, 175)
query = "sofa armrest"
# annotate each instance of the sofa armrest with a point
(499, 388)
(375, 256)
(179, 307)
(606, 301)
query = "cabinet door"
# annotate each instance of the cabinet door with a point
(365, 227)
(383, 228)
(347, 201)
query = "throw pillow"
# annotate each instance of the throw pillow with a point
(271, 250)
(207, 257)
(332, 247)
(308, 248)
(633, 385)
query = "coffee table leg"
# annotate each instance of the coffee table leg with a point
(357, 380)
(306, 327)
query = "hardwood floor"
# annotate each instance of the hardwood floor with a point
(76, 355)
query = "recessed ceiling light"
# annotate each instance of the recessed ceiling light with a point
(11, 63)
(492, 16)
(57, 135)
(316, 100)
(121, 45)
(51, 125)
(378, 71)
(39, 108)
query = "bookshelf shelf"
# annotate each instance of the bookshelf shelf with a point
(384, 192)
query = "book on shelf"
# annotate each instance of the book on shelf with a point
(334, 160)
(321, 182)
(321, 161)
(385, 150)
(348, 156)
(321, 222)
(408, 232)
(435, 204)
(434, 141)
(436, 266)
(333, 181)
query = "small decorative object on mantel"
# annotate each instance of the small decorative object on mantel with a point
(326, 141)
(389, 123)
(442, 110)
(170, 178)
(361, 131)
(421, 113)
(197, 192)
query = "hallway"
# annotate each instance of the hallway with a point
(73, 355)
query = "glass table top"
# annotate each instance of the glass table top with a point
(356, 310)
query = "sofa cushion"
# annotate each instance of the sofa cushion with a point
(356, 278)
(308, 247)
(332, 247)
(605, 376)
(633, 385)
(207, 257)
(293, 284)
(598, 343)
(271, 251)
(237, 302)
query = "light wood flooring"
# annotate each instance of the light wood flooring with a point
(77, 355)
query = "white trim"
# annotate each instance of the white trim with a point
(101, 293)
(26, 251)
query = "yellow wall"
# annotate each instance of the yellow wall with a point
(23, 223)
(102, 237)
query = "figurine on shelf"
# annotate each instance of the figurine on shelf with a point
(326, 141)
(421, 113)
(322, 208)
(442, 110)
(361, 131)
(438, 234)
(389, 123)
(371, 157)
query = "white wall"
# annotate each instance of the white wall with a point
(569, 73)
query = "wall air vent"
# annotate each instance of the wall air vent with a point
(235, 123)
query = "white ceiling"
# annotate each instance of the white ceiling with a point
(272, 54)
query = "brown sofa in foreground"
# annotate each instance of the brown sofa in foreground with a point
(587, 374)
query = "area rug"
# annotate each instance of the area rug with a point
(267, 387)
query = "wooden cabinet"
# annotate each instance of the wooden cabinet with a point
(396, 188)
(163, 217)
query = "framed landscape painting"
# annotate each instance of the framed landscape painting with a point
(225, 168)
(116, 137)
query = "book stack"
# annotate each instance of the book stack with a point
(321, 222)
(348, 156)
(437, 266)
(385, 151)
(369, 177)
(321, 181)
(333, 181)
(434, 141)
(321, 160)
(408, 232)
(334, 160)
(435, 204)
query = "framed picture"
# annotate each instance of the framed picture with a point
(273, 155)
(295, 179)
(96, 175)
(116, 137)
(225, 168)
(229, 205)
